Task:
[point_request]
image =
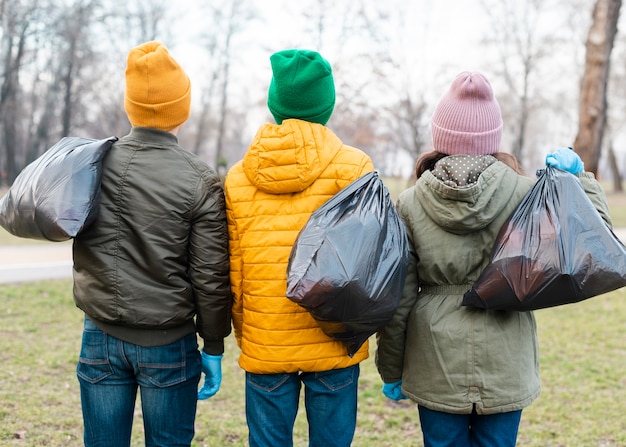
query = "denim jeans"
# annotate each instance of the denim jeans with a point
(330, 400)
(469, 430)
(110, 371)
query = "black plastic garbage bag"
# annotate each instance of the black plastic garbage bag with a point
(554, 249)
(57, 195)
(349, 262)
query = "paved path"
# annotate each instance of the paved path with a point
(32, 262)
(23, 263)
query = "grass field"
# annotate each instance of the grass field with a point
(583, 402)
(617, 206)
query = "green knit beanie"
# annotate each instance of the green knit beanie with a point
(302, 87)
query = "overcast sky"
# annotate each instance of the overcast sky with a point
(435, 36)
(433, 40)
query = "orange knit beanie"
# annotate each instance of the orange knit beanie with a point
(158, 92)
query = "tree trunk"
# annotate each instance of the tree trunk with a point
(202, 129)
(593, 102)
(9, 104)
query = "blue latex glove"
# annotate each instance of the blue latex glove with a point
(394, 390)
(212, 369)
(566, 159)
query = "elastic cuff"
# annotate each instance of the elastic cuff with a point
(214, 347)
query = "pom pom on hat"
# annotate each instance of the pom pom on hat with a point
(158, 91)
(467, 119)
(302, 87)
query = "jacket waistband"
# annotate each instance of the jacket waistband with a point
(446, 289)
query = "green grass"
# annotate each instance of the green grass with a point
(583, 368)
(617, 207)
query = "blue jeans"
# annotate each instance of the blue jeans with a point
(330, 400)
(469, 430)
(110, 371)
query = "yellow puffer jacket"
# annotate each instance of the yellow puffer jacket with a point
(288, 172)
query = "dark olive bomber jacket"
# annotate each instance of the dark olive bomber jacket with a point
(157, 254)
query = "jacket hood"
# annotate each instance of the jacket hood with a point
(289, 157)
(469, 208)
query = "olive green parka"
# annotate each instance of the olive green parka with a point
(449, 357)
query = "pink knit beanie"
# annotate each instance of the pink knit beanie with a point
(467, 120)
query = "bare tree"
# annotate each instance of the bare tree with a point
(75, 40)
(56, 75)
(215, 120)
(206, 95)
(616, 114)
(128, 23)
(13, 40)
(521, 48)
(124, 24)
(20, 21)
(358, 51)
(44, 94)
(233, 25)
(593, 99)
